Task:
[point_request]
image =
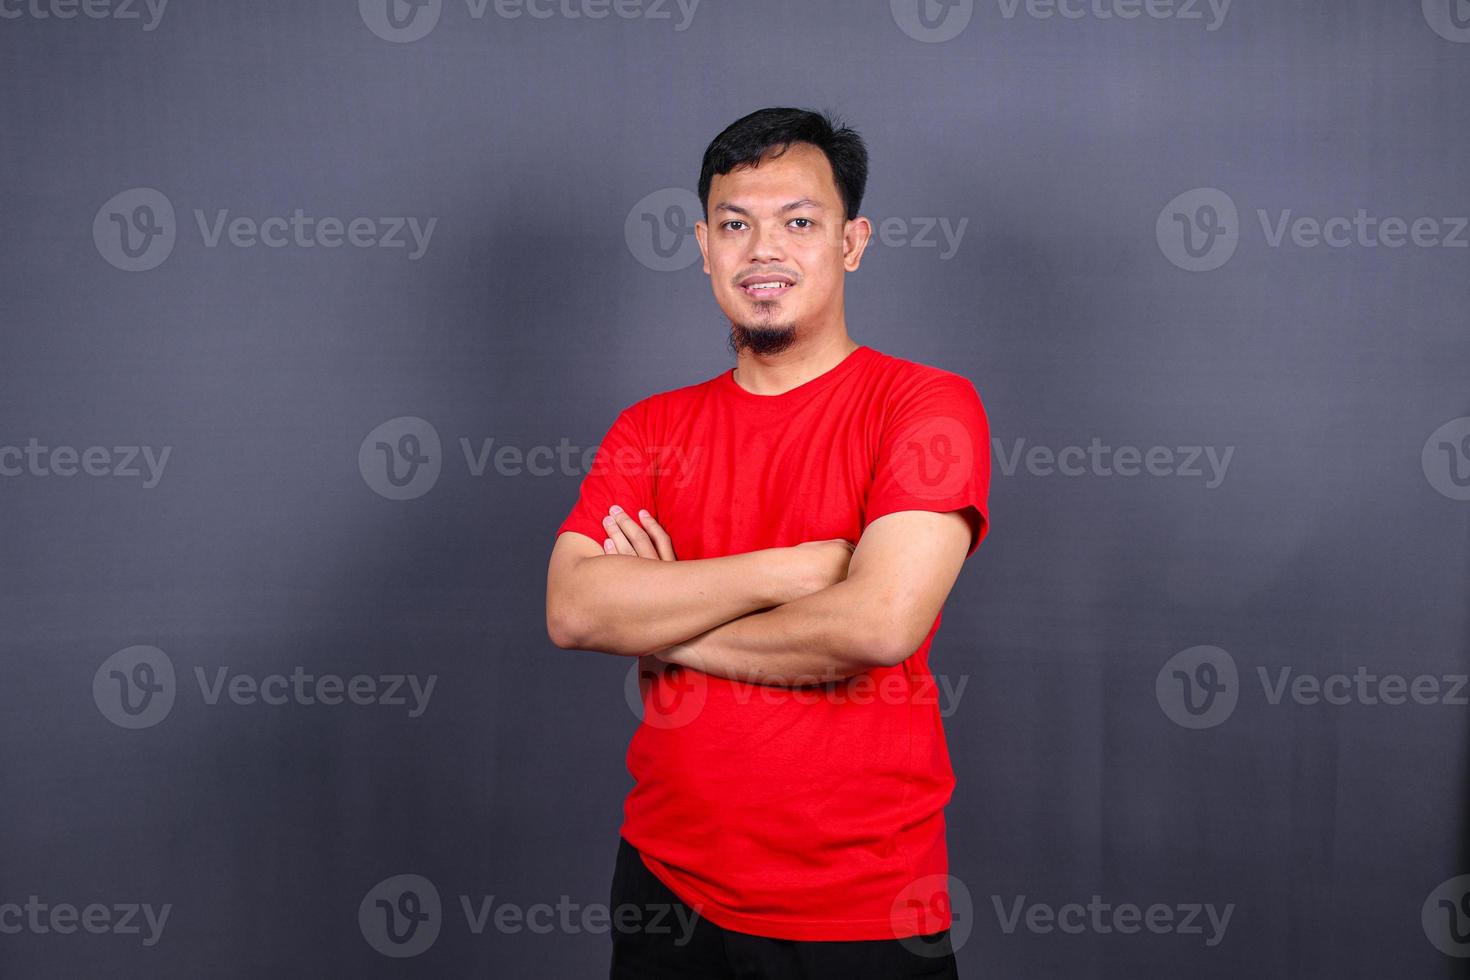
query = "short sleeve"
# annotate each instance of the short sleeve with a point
(619, 474)
(934, 454)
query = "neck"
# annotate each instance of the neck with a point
(774, 374)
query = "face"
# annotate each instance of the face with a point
(780, 223)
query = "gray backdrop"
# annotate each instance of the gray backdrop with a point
(314, 312)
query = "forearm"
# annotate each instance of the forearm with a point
(824, 636)
(628, 605)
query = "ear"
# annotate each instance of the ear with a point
(701, 233)
(855, 237)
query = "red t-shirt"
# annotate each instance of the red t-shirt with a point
(797, 813)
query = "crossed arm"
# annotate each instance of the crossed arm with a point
(818, 611)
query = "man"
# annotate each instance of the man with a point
(776, 544)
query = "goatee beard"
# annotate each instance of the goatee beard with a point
(761, 339)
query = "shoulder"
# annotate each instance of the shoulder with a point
(674, 402)
(905, 379)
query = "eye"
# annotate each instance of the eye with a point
(807, 220)
(732, 221)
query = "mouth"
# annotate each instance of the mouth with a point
(767, 287)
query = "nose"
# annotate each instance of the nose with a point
(768, 243)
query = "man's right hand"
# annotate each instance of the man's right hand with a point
(626, 536)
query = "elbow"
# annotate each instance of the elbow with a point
(570, 628)
(888, 654)
(890, 636)
(560, 636)
(562, 627)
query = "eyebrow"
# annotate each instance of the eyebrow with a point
(805, 202)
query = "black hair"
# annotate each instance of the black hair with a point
(746, 140)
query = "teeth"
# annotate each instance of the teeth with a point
(768, 285)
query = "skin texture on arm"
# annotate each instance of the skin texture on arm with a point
(901, 572)
(613, 599)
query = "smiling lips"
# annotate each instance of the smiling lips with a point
(767, 287)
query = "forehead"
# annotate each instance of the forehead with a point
(801, 171)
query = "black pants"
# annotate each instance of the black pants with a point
(661, 938)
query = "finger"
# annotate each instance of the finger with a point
(608, 548)
(661, 539)
(637, 537)
(619, 539)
